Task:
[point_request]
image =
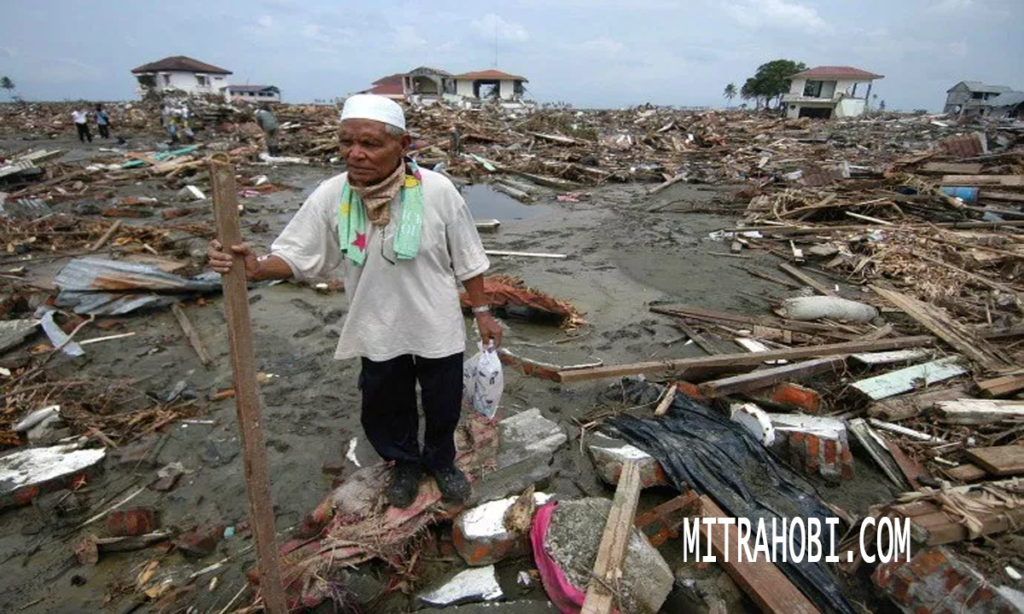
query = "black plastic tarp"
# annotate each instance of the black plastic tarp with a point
(700, 449)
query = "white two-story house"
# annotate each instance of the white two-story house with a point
(181, 73)
(827, 92)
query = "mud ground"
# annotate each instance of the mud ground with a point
(621, 258)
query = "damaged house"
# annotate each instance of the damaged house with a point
(828, 92)
(432, 83)
(180, 73)
(974, 98)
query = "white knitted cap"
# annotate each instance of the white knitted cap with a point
(377, 108)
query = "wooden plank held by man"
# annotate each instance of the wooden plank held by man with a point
(248, 403)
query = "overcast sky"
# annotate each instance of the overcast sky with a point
(590, 53)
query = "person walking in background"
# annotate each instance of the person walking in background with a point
(81, 119)
(268, 123)
(102, 122)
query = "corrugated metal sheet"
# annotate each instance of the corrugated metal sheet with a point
(96, 286)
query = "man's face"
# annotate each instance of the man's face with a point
(369, 151)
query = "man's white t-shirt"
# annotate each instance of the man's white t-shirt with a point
(396, 307)
(80, 117)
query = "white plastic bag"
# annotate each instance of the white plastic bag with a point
(483, 381)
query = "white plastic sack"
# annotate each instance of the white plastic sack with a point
(483, 381)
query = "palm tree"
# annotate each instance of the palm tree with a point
(729, 93)
(8, 85)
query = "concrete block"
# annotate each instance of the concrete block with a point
(610, 455)
(480, 535)
(936, 582)
(528, 434)
(573, 539)
(476, 584)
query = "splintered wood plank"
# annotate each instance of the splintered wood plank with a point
(978, 411)
(905, 380)
(1000, 460)
(966, 473)
(806, 279)
(936, 321)
(766, 377)
(750, 359)
(614, 542)
(983, 180)
(1002, 386)
(761, 580)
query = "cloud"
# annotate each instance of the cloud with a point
(953, 6)
(266, 21)
(958, 49)
(603, 46)
(313, 32)
(67, 70)
(758, 14)
(407, 37)
(491, 26)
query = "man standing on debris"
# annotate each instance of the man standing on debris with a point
(102, 122)
(81, 119)
(405, 236)
(268, 123)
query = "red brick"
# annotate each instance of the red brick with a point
(927, 563)
(795, 395)
(813, 453)
(830, 452)
(690, 390)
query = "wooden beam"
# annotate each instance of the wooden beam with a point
(983, 180)
(908, 379)
(1000, 461)
(953, 168)
(614, 542)
(978, 411)
(875, 359)
(191, 334)
(247, 403)
(806, 279)
(996, 195)
(106, 236)
(708, 315)
(766, 377)
(760, 579)
(743, 359)
(824, 230)
(945, 328)
(1001, 386)
(908, 406)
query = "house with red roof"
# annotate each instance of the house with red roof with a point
(181, 73)
(828, 92)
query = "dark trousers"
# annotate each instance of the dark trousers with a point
(104, 131)
(83, 132)
(389, 414)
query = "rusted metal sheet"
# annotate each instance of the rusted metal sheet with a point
(107, 287)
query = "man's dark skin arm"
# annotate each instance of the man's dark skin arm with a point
(271, 267)
(490, 330)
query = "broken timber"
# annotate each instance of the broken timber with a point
(247, 404)
(905, 380)
(744, 359)
(614, 541)
(760, 579)
(192, 334)
(763, 378)
(1000, 461)
(707, 315)
(978, 411)
(983, 180)
(943, 327)
(799, 275)
(1001, 386)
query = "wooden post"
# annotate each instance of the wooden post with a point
(247, 401)
(614, 542)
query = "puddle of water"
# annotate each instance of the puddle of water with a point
(487, 203)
